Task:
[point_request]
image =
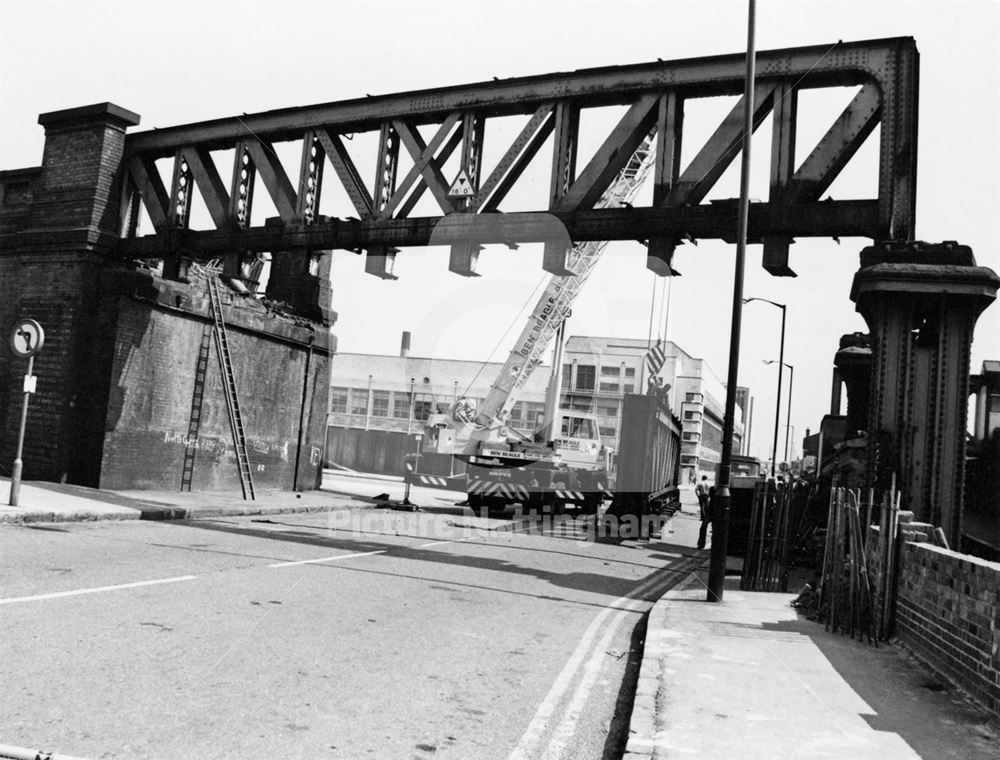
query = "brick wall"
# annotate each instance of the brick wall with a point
(278, 364)
(946, 609)
(57, 224)
(948, 613)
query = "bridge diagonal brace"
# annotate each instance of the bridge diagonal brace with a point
(705, 169)
(611, 157)
(521, 153)
(151, 189)
(275, 180)
(348, 173)
(436, 178)
(425, 166)
(838, 145)
(597, 175)
(719, 151)
(833, 151)
(213, 190)
(493, 189)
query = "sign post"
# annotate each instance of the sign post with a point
(25, 341)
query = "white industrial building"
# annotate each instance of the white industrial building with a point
(396, 393)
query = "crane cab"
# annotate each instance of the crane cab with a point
(577, 439)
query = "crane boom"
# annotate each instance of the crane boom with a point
(554, 304)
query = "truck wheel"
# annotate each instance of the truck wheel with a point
(591, 503)
(496, 505)
(477, 504)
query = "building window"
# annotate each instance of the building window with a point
(689, 415)
(609, 387)
(689, 436)
(380, 404)
(567, 375)
(401, 406)
(607, 410)
(585, 376)
(359, 401)
(338, 400)
(611, 371)
(689, 460)
(532, 414)
(514, 418)
(711, 435)
(608, 432)
(629, 388)
(693, 397)
(421, 410)
(630, 372)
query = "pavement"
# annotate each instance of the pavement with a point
(56, 502)
(752, 678)
(747, 677)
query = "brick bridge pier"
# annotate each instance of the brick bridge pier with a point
(118, 374)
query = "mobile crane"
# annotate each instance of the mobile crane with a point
(565, 461)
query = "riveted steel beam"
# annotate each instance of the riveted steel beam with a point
(839, 64)
(706, 221)
(273, 175)
(342, 163)
(241, 195)
(210, 184)
(775, 256)
(427, 161)
(654, 96)
(143, 173)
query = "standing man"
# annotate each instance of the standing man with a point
(701, 491)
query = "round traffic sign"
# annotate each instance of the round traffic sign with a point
(27, 338)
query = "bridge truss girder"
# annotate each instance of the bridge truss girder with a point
(429, 127)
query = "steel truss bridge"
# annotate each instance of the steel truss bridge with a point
(407, 163)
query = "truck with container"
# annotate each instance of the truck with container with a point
(564, 463)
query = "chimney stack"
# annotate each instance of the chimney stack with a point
(404, 344)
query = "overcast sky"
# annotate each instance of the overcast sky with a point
(179, 62)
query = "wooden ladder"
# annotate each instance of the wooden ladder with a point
(196, 403)
(229, 386)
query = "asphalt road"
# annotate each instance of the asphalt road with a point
(358, 633)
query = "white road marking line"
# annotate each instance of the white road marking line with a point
(449, 541)
(95, 590)
(564, 732)
(327, 559)
(364, 554)
(536, 729)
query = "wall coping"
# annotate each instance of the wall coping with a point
(107, 113)
(952, 554)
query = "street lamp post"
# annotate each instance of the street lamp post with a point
(721, 504)
(788, 418)
(781, 358)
